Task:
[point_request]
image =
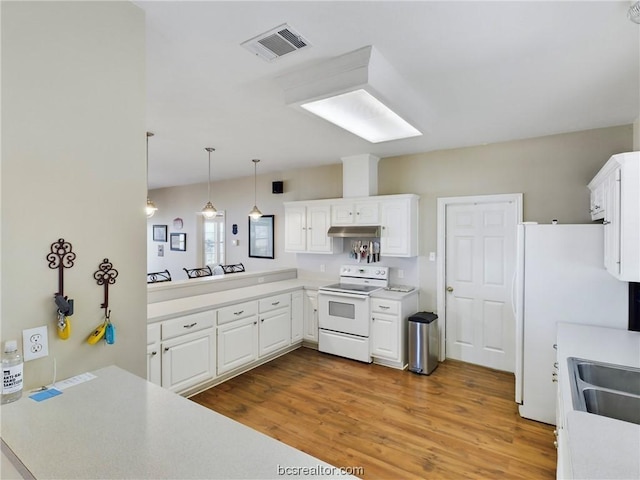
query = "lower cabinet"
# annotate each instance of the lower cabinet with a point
(389, 327)
(310, 332)
(237, 343)
(188, 360)
(192, 350)
(154, 366)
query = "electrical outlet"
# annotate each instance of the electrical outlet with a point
(400, 273)
(35, 343)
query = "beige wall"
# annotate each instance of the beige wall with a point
(636, 135)
(73, 166)
(552, 172)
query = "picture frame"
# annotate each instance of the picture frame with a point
(261, 240)
(159, 233)
(179, 242)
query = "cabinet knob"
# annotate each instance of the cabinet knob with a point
(152, 354)
(606, 222)
(166, 349)
(262, 320)
(449, 289)
(555, 443)
(255, 323)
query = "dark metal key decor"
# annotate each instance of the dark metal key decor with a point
(105, 276)
(62, 256)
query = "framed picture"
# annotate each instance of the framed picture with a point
(179, 242)
(159, 233)
(261, 237)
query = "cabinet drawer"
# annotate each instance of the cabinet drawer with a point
(384, 306)
(237, 311)
(276, 301)
(153, 333)
(187, 324)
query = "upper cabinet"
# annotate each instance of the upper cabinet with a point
(306, 226)
(346, 212)
(615, 191)
(307, 223)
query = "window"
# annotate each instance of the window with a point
(213, 240)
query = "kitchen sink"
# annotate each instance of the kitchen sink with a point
(612, 377)
(605, 389)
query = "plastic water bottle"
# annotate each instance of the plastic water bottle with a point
(11, 372)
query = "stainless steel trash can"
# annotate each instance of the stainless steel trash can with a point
(423, 342)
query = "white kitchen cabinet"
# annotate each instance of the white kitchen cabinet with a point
(274, 328)
(188, 360)
(237, 335)
(154, 364)
(297, 316)
(399, 221)
(306, 227)
(237, 343)
(389, 317)
(618, 184)
(597, 202)
(348, 212)
(310, 316)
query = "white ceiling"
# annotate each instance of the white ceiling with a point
(484, 72)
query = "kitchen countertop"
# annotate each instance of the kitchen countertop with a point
(120, 426)
(599, 447)
(183, 306)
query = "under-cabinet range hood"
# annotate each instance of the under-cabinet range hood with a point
(355, 231)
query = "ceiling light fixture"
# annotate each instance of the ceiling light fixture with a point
(255, 213)
(355, 91)
(209, 211)
(151, 208)
(634, 13)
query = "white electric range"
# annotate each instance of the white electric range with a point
(344, 311)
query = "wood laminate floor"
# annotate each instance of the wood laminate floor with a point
(459, 422)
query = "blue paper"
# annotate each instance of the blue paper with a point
(45, 394)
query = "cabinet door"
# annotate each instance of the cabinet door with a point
(153, 364)
(295, 226)
(368, 213)
(395, 228)
(342, 214)
(318, 223)
(188, 360)
(297, 316)
(612, 223)
(237, 344)
(311, 316)
(385, 335)
(275, 331)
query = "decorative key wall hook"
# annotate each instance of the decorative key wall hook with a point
(61, 257)
(106, 275)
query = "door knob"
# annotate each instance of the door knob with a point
(449, 289)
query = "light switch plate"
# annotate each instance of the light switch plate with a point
(35, 343)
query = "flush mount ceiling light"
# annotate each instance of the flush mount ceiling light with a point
(356, 92)
(209, 211)
(151, 208)
(634, 12)
(255, 212)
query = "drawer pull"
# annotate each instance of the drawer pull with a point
(239, 313)
(191, 325)
(275, 303)
(384, 307)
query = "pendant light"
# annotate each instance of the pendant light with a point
(209, 211)
(151, 208)
(255, 213)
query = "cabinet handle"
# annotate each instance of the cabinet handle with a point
(606, 222)
(555, 365)
(384, 307)
(239, 313)
(555, 433)
(255, 323)
(373, 319)
(596, 207)
(275, 303)
(262, 320)
(191, 325)
(152, 354)
(166, 349)
(555, 443)
(555, 346)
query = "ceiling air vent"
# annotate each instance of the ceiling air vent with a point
(275, 43)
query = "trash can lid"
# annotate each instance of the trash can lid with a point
(423, 317)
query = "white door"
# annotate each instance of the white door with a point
(479, 266)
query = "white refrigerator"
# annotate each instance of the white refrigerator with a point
(560, 277)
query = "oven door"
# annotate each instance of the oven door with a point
(344, 312)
